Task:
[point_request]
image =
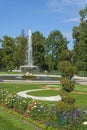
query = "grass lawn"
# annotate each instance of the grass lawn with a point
(81, 100)
(11, 122)
(46, 93)
(80, 88)
(17, 87)
(8, 121)
(13, 88)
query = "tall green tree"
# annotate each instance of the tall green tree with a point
(8, 49)
(83, 14)
(38, 41)
(1, 57)
(55, 43)
(21, 46)
(80, 42)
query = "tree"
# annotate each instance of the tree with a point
(21, 46)
(38, 49)
(55, 43)
(8, 49)
(80, 42)
(1, 57)
(83, 14)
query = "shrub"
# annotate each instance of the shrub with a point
(67, 99)
(10, 100)
(66, 69)
(3, 95)
(21, 105)
(69, 116)
(67, 84)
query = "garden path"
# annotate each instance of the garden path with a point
(51, 98)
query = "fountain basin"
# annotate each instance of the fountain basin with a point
(33, 77)
(26, 68)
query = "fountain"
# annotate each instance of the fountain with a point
(28, 67)
(29, 59)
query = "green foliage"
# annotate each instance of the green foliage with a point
(46, 52)
(66, 69)
(67, 84)
(1, 57)
(64, 107)
(10, 100)
(80, 65)
(67, 98)
(3, 95)
(55, 43)
(66, 55)
(69, 116)
(82, 73)
(20, 105)
(8, 45)
(83, 14)
(44, 114)
(80, 42)
(21, 46)
(38, 41)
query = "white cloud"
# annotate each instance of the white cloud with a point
(79, 2)
(61, 6)
(59, 3)
(53, 3)
(75, 2)
(72, 20)
(55, 6)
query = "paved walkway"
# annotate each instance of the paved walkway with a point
(51, 98)
(80, 80)
(31, 81)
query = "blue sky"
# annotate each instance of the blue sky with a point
(40, 15)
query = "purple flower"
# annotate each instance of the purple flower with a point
(64, 114)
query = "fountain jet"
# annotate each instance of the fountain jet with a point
(29, 58)
(29, 55)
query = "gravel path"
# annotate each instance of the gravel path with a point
(25, 95)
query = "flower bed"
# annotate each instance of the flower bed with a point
(46, 115)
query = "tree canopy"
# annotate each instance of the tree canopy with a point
(38, 41)
(8, 45)
(80, 42)
(47, 51)
(54, 45)
(21, 46)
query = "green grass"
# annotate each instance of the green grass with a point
(17, 87)
(81, 100)
(8, 121)
(44, 93)
(80, 88)
(6, 72)
(11, 122)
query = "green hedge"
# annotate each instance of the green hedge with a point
(82, 73)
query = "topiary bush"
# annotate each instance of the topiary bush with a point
(66, 69)
(66, 108)
(67, 84)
